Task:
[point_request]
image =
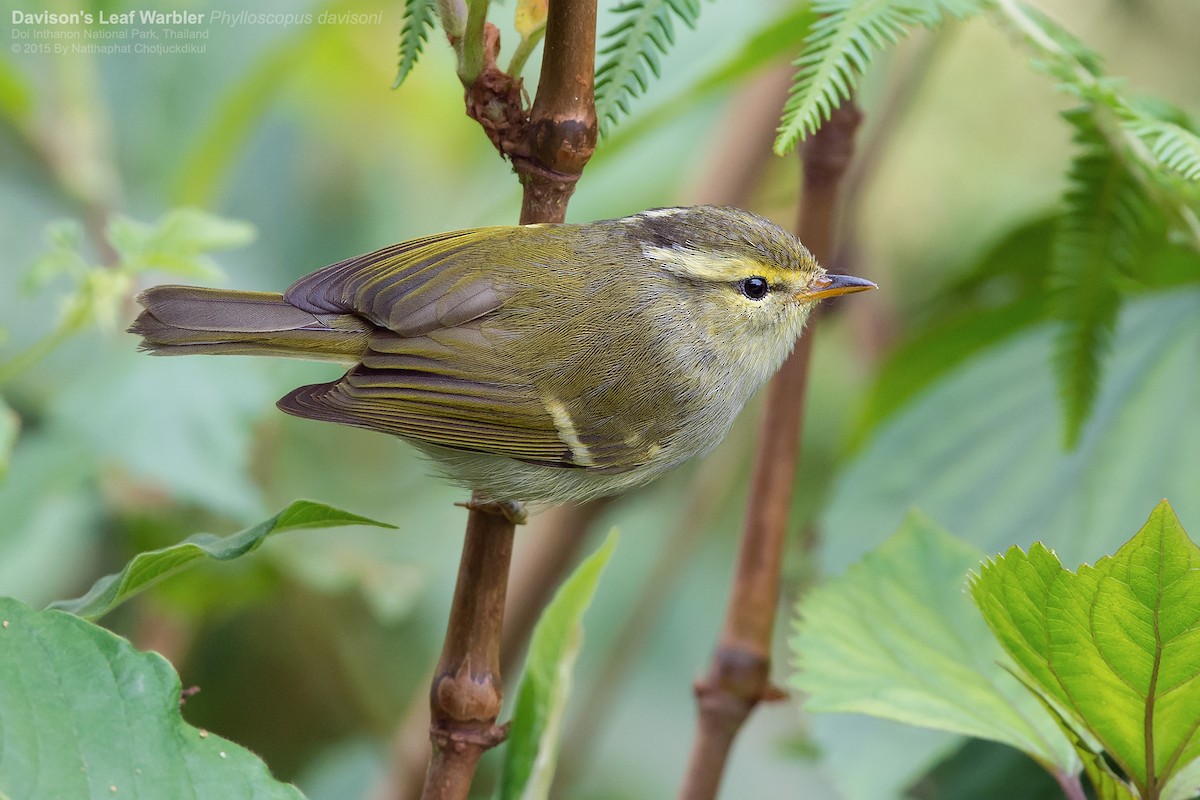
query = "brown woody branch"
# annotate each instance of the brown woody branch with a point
(465, 696)
(739, 676)
(549, 147)
(549, 144)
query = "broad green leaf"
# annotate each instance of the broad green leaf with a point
(1117, 645)
(10, 423)
(148, 568)
(195, 419)
(532, 747)
(84, 714)
(980, 451)
(896, 637)
(49, 518)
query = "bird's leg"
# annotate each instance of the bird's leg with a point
(511, 510)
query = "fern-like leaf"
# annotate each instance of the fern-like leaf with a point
(1108, 224)
(645, 31)
(1173, 146)
(841, 45)
(418, 19)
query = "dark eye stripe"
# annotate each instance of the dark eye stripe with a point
(755, 287)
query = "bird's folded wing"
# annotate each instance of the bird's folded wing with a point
(459, 412)
(430, 372)
(413, 287)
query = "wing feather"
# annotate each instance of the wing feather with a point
(435, 371)
(410, 288)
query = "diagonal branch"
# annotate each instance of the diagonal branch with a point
(738, 678)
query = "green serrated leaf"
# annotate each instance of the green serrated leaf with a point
(1107, 784)
(1117, 646)
(645, 29)
(896, 637)
(83, 714)
(418, 20)
(841, 45)
(532, 746)
(146, 569)
(980, 451)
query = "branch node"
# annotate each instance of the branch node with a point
(465, 697)
(738, 675)
(496, 101)
(460, 739)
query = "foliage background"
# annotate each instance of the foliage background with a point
(309, 652)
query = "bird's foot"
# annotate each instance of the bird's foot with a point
(511, 510)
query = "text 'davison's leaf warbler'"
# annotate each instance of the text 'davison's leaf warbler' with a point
(538, 363)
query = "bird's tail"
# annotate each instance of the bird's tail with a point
(179, 320)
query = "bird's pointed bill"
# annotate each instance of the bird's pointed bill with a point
(832, 285)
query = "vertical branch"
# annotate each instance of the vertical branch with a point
(535, 571)
(738, 678)
(465, 696)
(561, 136)
(733, 165)
(549, 148)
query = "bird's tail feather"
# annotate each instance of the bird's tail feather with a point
(179, 320)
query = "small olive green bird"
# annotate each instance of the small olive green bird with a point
(545, 363)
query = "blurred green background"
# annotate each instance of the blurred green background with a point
(311, 652)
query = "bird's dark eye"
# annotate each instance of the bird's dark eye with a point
(755, 288)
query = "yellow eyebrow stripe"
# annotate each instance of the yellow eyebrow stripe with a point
(716, 267)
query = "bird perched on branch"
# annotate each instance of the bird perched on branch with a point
(532, 363)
